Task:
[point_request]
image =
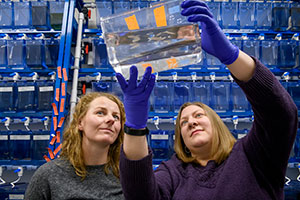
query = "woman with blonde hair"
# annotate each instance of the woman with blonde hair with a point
(88, 166)
(209, 164)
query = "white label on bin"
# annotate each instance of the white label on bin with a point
(159, 137)
(3, 137)
(241, 135)
(26, 89)
(41, 137)
(6, 89)
(46, 89)
(16, 196)
(19, 137)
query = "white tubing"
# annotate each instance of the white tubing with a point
(76, 65)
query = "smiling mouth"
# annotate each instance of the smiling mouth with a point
(196, 132)
(106, 129)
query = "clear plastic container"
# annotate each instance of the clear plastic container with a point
(239, 100)
(40, 140)
(4, 145)
(158, 36)
(221, 96)
(51, 52)
(246, 15)
(26, 96)
(295, 16)
(45, 94)
(20, 143)
(3, 52)
(6, 21)
(201, 91)
(16, 53)
(159, 142)
(40, 15)
(162, 97)
(56, 10)
(7, 96)
(181, 94)
(34, 52)
(263, 15)
(22, 17)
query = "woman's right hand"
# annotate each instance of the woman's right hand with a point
(213, 39)
(136, 97)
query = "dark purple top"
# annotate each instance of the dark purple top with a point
(255, 169)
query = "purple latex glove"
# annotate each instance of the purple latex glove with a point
(136, 97)
(213, 39)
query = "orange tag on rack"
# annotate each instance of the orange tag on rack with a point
(57, 94)
(61, 122)
(172, 63)
(58, 136)
(52, 140)
(145, 65)
(54, 123)
(62, 105)
(50, 153)
(132, 23)
(54, 109)
(65, 74)
(59, 72)
(57, 149)
(63, 89)
(46, 158)
(160, 16)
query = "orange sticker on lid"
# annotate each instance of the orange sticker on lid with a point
(172, 63)
(132, 23)
(145, 65)
(160, 16)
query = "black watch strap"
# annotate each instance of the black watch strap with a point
(135, 132)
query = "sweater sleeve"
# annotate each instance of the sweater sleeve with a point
(38, 188)
(271, 137)
(139, 181)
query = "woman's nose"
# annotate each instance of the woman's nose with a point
(192, 122)
(110, 119)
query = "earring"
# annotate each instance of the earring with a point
(186, 150)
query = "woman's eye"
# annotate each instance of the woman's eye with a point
(100, 113)
(116, 117)
(198, 115)
(183, 123)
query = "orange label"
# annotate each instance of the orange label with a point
(145, 65)
(172, 63)
(50, 153)
(54, 123)
(57, 149)
(58, 136)
(46, 158)
(54, 109)
(59, 72)
(65, 74)
(52, 140)
(132, 23)
(63, 89)
(62, 105)
(160, 16)
(61, 122)
(57, 94)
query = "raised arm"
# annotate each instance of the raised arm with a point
(136, 103)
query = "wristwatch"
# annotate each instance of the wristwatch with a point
(136, 132)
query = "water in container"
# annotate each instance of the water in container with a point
(295, 16)
(7, 97)
(287, 54)
(162, 97)
(34, 51)
(20, 144)
(104, 9)
(40, 15)
(239, 100)
(229, 15)
(121, 6)
(101, 86)
(4, 145)
(16, 53)
(263, 15)
(100, 53)
(269, 52)
(22, 15)
(181, 94)
(159, 143)
(280, 16)
(247, 15)
(51, 52)
(221, 96)
(3, 52)
(26, 96)
(40, 141)
(294, 90)
(201, 92)
(56, 10)
(158, 36)
(45, 94)
(116, 90)
(6, 13)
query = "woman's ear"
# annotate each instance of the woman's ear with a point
(80, 126)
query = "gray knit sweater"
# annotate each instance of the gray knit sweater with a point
(56, 180)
